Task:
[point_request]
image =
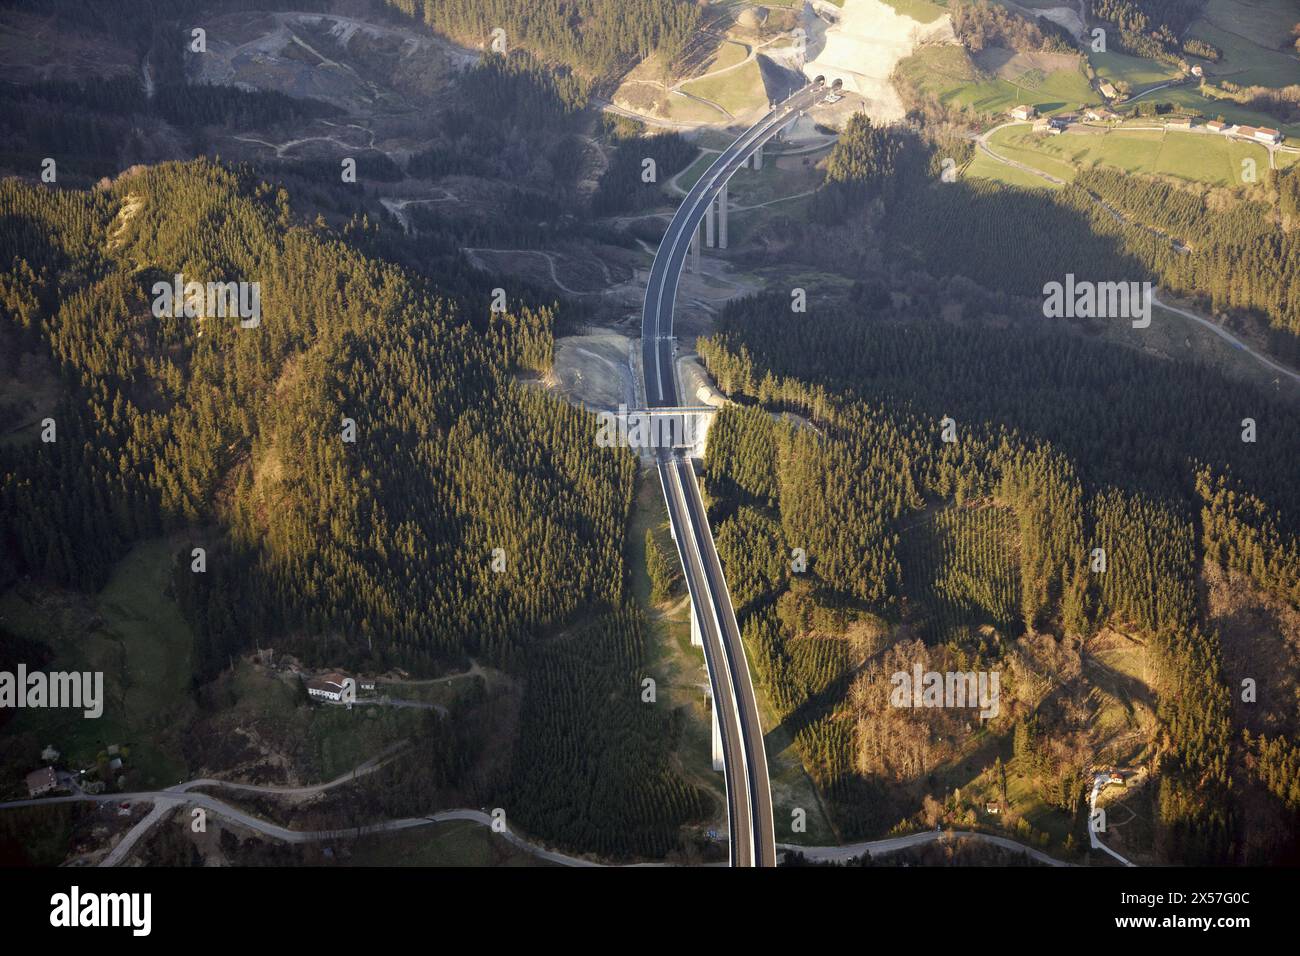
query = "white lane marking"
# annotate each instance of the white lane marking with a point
(716, 170)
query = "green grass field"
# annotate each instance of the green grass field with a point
(1137, 72)
(1254, 38)
(133, 632)
(984, 166)
(948, 73)
(1194, 157)
(1022, 145)
(737, 91)
(691, 175)
(444, 691)
(729, 53)
(1266, 23)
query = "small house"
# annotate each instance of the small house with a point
(1107, 90)
(1023, 112)
(1217, 126)
(40, 782)
(1266, 135)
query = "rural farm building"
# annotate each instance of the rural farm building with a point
(327, 687)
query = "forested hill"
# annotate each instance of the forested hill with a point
(1071, 445)
(598, 38)
(235, 437)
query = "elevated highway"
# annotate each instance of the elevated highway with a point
(739, 731)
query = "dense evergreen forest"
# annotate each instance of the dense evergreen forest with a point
(1059, 447)
(593, 763)
(372, 481)
(372, 472)
(180, 427)
(1150, 28)
(1041, 438)
(378, 481)
(627, 183)
(599, 38)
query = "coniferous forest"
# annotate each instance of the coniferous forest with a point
(984, 483)
(995, 528)
(371, 480)
(376, 472)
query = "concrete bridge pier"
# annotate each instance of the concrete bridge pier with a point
(708, 225)
(758, 158)
(722, 217)
(697, 640)
(719, 759)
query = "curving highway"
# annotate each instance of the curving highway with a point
(749, 796)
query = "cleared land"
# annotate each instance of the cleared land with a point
(266, 731)
(737, 91)
(864, 47)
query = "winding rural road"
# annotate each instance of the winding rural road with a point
(186, 795)
(850, 851)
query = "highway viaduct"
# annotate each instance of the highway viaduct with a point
(738, 732)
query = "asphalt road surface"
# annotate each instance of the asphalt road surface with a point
(749, 797)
